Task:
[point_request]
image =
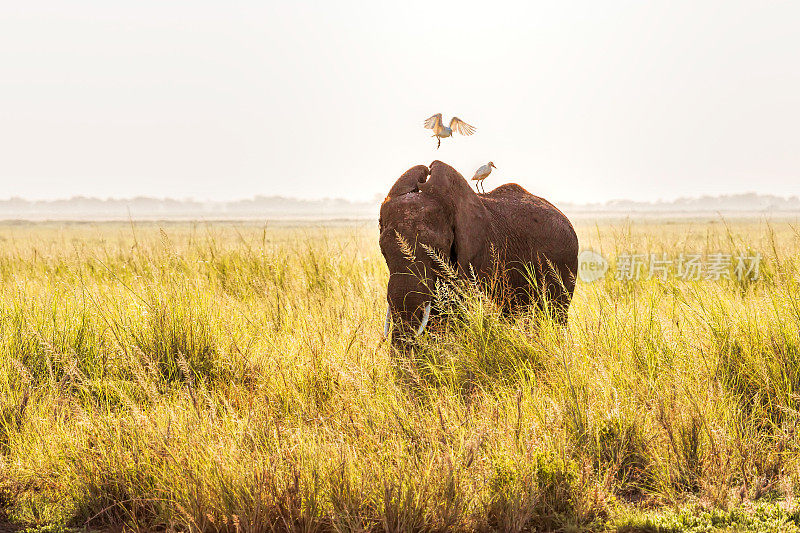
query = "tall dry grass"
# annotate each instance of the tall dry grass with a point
(220, 377)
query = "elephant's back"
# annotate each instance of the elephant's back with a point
(531, 224)
(511, 201)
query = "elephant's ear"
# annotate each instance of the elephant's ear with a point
(465, 209)
(408, 182)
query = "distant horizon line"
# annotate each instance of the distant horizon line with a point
(293, 199)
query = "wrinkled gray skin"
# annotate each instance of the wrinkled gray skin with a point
(437, 207)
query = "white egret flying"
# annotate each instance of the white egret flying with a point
(440, 131)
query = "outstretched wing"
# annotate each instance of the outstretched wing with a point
(434, 122)
(456, 124)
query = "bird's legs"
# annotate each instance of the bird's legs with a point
(439, 143)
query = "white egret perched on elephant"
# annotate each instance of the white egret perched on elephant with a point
(440, 131)
(482, 173)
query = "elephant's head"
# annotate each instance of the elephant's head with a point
(434, 207)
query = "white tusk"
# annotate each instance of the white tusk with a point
(388, 321)
(425, 318)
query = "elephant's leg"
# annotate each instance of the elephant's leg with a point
(558, 300)
(561, 311)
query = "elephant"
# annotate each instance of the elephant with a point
(435, 206)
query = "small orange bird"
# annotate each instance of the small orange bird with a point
(482, 173)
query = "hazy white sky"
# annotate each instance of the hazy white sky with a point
(581, 101)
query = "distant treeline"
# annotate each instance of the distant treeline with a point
(278, 207)
(726, 202)
(81, 207)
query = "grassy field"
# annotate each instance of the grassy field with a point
(220, 377)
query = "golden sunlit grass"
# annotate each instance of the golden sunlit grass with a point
(234, 378)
